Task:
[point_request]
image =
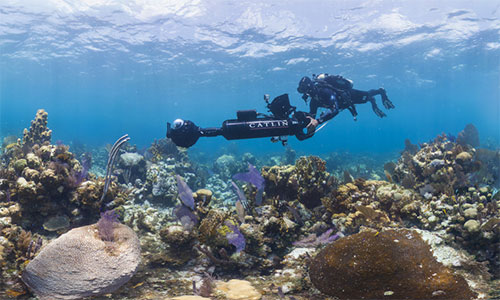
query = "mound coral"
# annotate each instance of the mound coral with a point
(393, 264)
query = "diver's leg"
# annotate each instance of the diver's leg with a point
(375, 108)
(359, 97)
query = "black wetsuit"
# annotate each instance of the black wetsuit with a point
(335, 100)
(327, 98)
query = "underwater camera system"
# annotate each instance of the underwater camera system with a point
(283, 122)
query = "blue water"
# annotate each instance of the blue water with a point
(105, 68)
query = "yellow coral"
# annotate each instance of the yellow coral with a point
(10, 146)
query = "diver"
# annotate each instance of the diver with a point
(335, 93)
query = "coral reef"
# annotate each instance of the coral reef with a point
(392, 264)
(160, 185)
(260, 228)
(438, 167)
(48, 181)
(179, 245)
(373, 204)
(307, 181)
(447, 174)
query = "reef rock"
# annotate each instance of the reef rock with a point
(189, 298)
(226, 166)
(238, 290)
(131, 159)
(393, 264)
(79, 264)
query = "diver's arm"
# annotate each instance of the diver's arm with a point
(332, 109)
(328, 114)
(313, 108)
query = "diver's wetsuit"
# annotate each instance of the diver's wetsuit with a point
(326, 98)
(334, 101)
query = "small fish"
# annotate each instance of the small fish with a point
(444, 210)
(241, 196)
(240, 211)
(378, 232)
(13, 293)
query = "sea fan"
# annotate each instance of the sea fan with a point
(235, 237)
(106, 224)
(254, 177)
(185, 193)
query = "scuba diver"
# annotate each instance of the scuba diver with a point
(335, 93)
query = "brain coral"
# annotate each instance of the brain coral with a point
(79, 264)
(394, 264)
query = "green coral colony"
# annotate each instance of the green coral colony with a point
(319, 229)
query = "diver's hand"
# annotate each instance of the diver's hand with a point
(312, 125)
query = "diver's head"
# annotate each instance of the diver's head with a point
(178, 123)
(305, 85)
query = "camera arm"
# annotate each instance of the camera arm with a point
(249, 124)
(185, 133)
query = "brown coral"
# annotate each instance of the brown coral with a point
(212, 231)
(307, 181)
(387, 265)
